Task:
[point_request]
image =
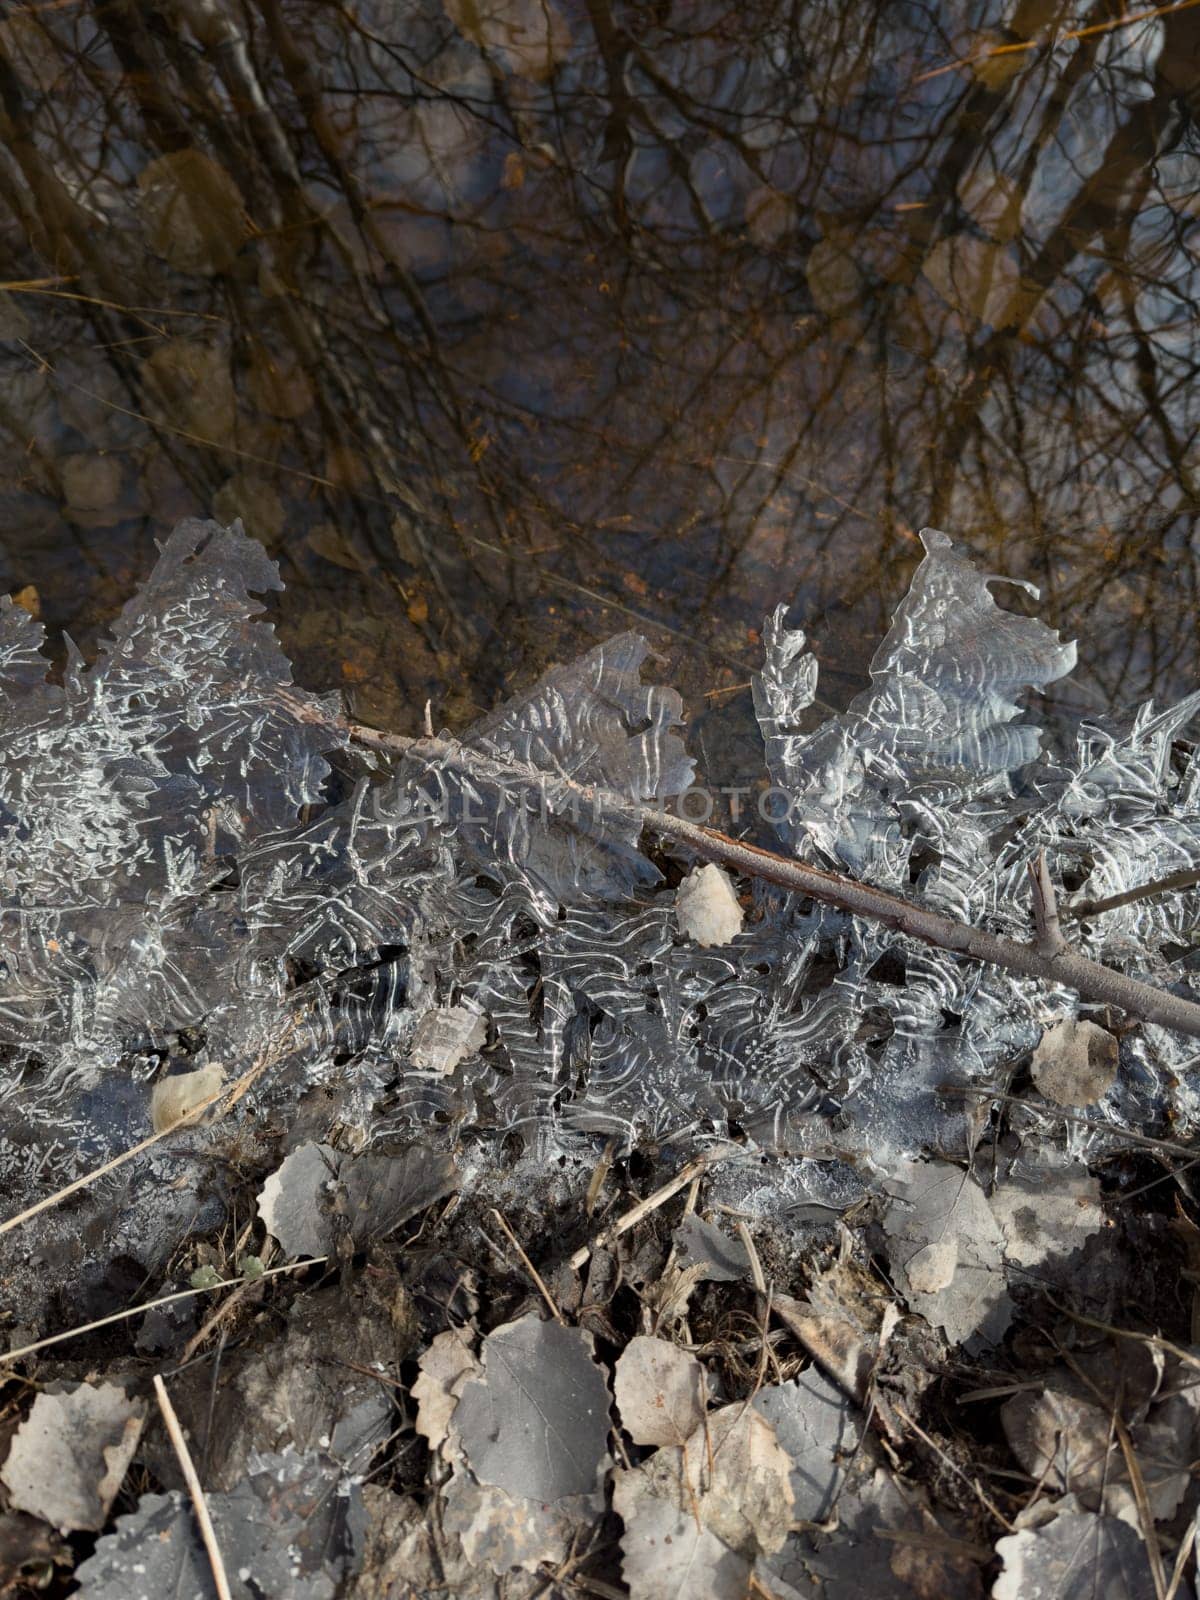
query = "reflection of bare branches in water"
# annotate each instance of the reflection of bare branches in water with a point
(503, 323)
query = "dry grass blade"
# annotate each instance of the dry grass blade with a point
(227, 1097)
(163, 1300)
(528, 1265)
(634, 1215)
(1145, 1515)
(207, 1532)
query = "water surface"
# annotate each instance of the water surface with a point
(508, 324)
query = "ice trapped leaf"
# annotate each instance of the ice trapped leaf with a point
(946, 1248)
(668, 1554)
(446, 1036)
(536, 1423)
(1075, 1557)
(939, 720)
(661, 1391)
(1075, 1063)
(706, 907)
(319, 1195)
(294, 1528)
(69, 1457)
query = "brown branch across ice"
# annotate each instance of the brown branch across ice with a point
(1044, 960)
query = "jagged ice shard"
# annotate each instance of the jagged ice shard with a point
(184, 878)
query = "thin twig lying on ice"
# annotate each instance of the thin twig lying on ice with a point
(1088, 978)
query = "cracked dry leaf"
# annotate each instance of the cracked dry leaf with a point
(734, 1475)
(376, 1193)
(70, 1455)
(945, 1247)
(666, 1554)
(660, 1392)
(536, 1423)
(294, 1527)
(819, 1429)
(1047, 1216)
(1078, 1556)
(505, 1532)
(1075, 1063)
(405, 1557)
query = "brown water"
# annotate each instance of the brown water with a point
(508, 324)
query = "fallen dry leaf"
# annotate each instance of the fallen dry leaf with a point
(660, 1392)
(70, 1455)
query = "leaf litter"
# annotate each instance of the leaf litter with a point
(433, 1065)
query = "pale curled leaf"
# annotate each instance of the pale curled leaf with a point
(444, 1370)
(666, 1554)
(536, 1422)
(660, 1390)
(174, 1101)
(69, 1457)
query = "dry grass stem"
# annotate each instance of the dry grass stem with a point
(652, 1202)
(187, 1466)
(163, 1300)
(528, 1265)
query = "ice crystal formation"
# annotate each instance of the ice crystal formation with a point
(186, 880)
